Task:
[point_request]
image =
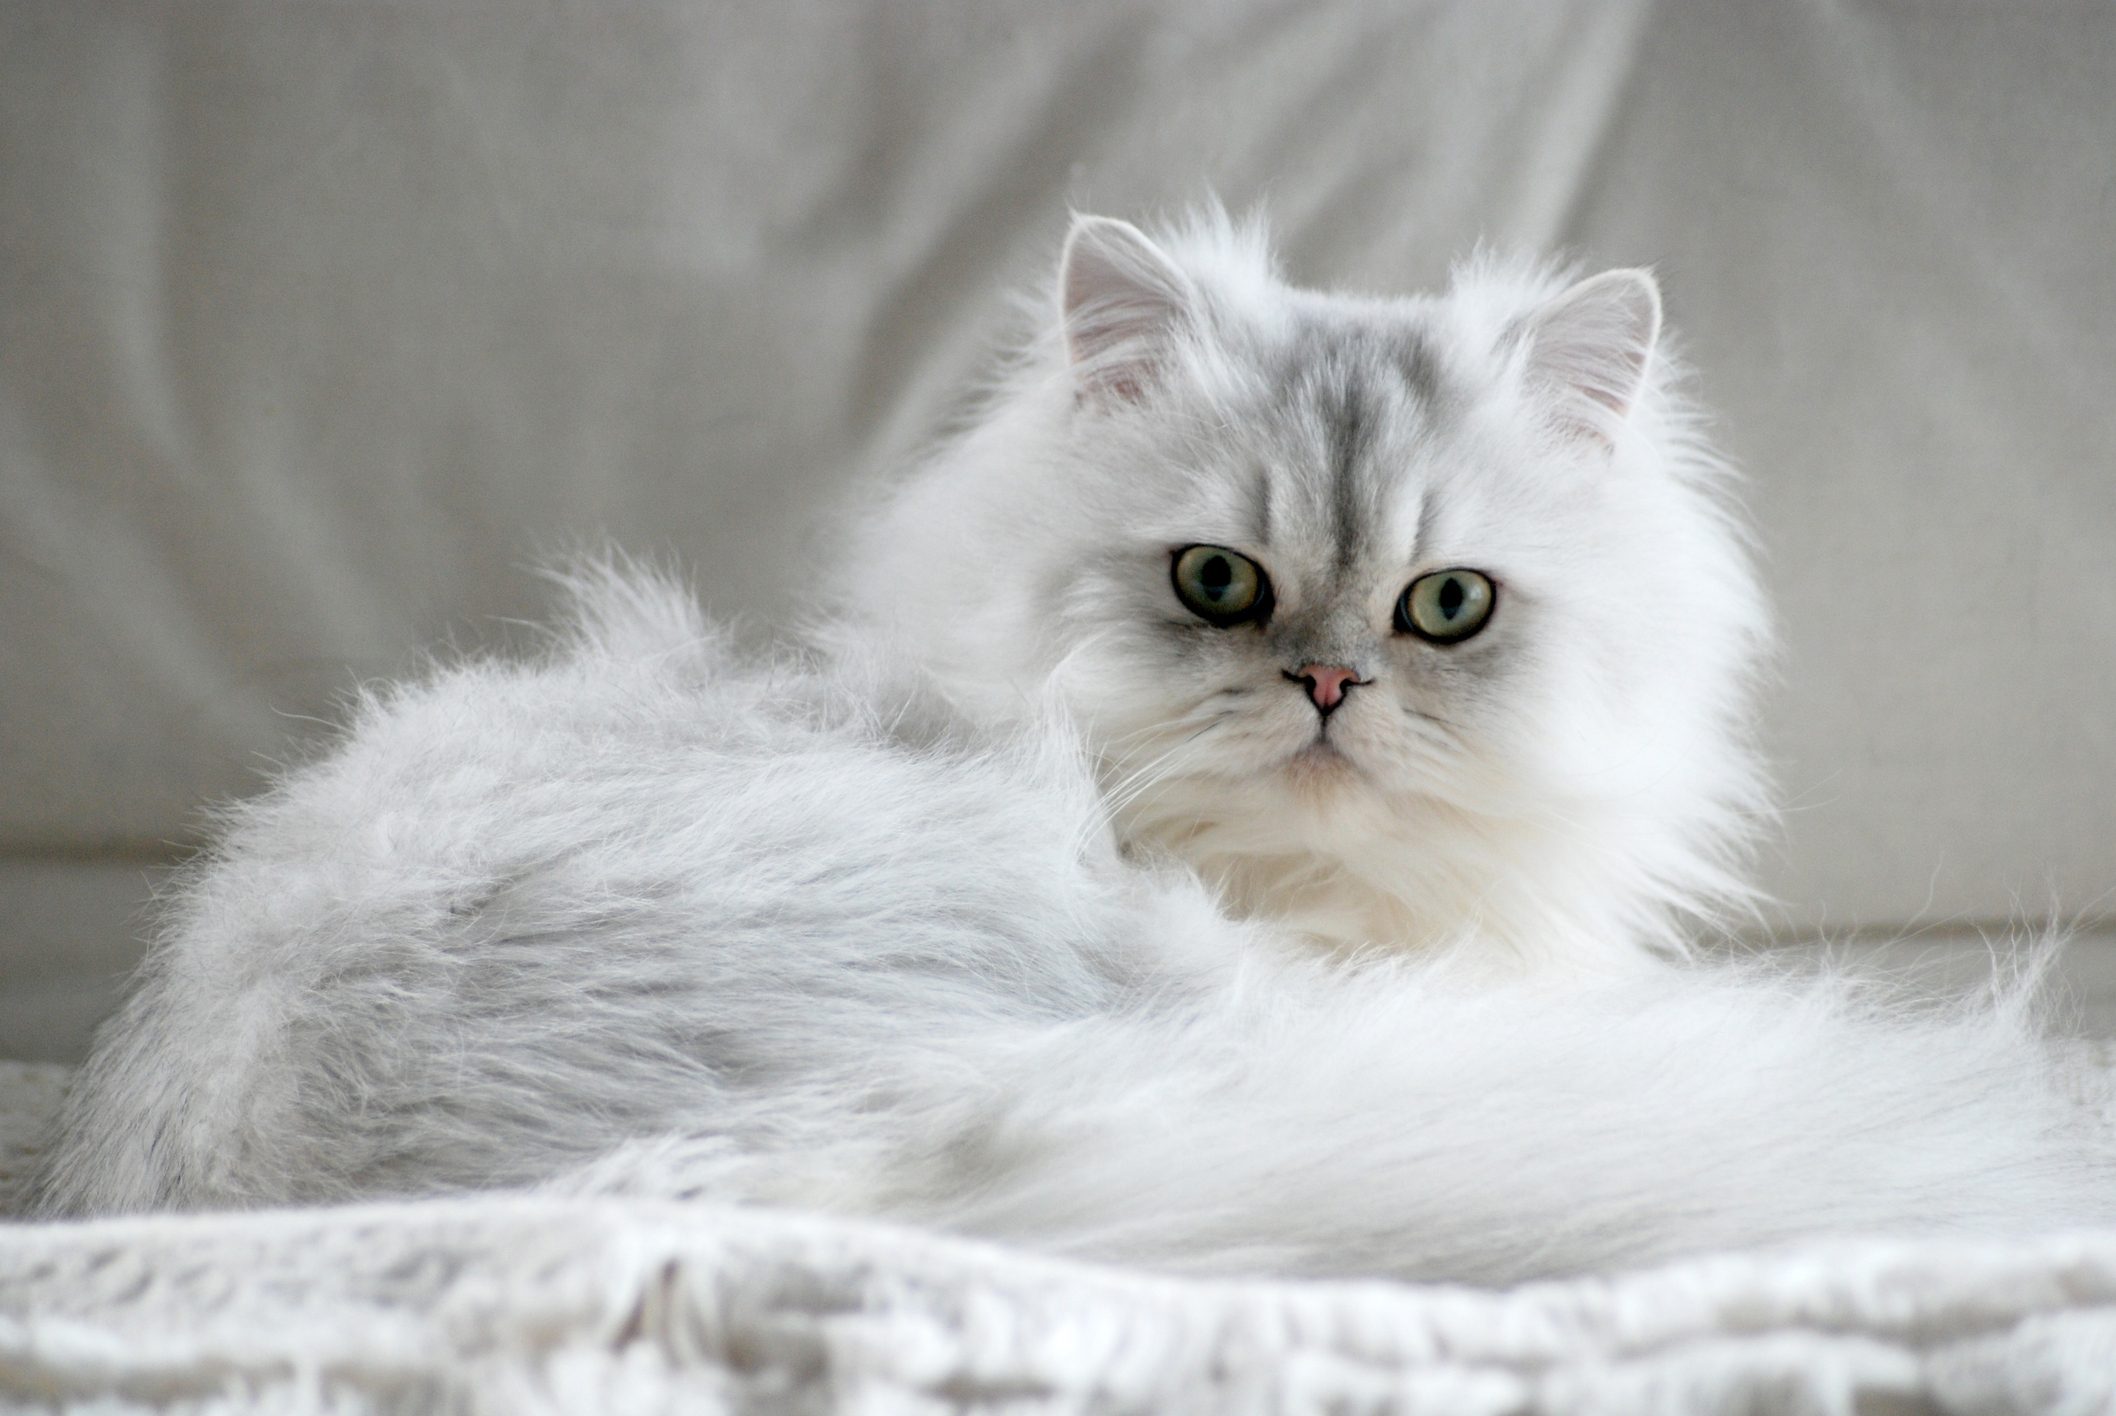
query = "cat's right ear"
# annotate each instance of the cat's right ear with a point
(1121, 299)
(1590, 348)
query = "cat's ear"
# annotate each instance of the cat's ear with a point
(1590, 348)
(1121, 299)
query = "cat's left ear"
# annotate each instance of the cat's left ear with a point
(1591, 346)
(1121, 298)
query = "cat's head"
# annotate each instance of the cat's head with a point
(1397, 617)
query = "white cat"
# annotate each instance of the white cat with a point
(859, 935)
(1561, 769)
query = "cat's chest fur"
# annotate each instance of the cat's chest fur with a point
(1352, 873)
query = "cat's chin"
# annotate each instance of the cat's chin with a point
(1323, 766)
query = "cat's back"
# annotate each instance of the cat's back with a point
(526, 910)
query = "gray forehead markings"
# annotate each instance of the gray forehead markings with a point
(1348, 442)
(1359, 360)
(1334, 369)
(1260, 504)
(1421, 374)
(1428, 514)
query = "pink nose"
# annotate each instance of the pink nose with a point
(1326, 683)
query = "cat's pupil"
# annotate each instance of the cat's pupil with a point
(1450, 596)
(1216, 576)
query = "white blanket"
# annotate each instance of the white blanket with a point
(524, 1305)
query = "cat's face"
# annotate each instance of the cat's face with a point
(1396, 545)
(1352, 578)
(1331, 577)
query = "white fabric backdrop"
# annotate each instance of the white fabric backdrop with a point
(319, 322)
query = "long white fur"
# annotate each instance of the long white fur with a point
(991, 921)
(641, 916)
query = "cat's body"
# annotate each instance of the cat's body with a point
(643, 919)
(902, 940)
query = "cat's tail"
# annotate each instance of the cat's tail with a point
(1384, 1120)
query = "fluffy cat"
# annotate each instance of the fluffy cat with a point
(1571, 780)
(907, 930)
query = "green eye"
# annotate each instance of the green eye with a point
(1446, 607)
(1220, 586)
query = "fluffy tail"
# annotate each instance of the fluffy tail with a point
(1384, 1120)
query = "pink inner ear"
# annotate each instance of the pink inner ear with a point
(1125, 388)
(1617, 395)
(1592, 345)
(1121, 297)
